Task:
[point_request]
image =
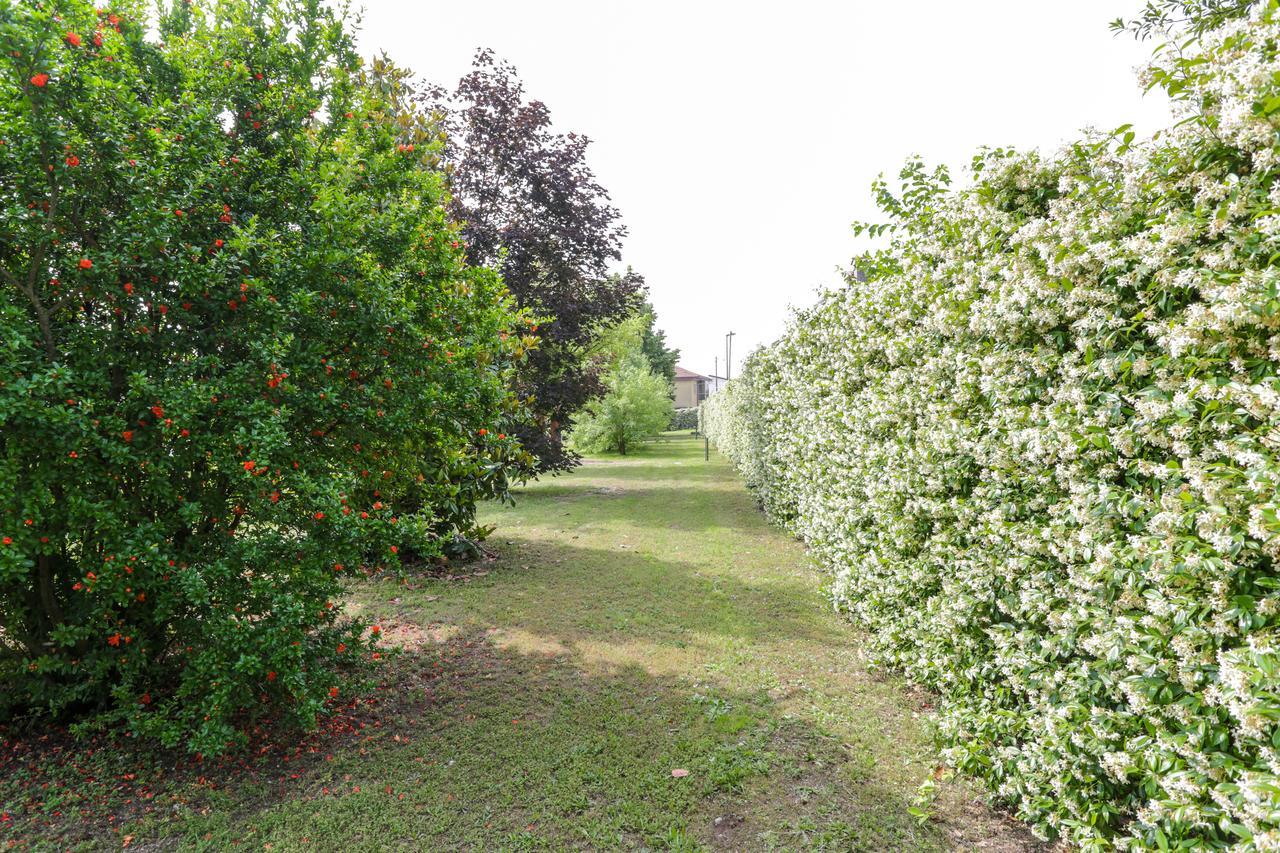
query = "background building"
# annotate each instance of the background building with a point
(691, 388)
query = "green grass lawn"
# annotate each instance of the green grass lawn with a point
(641, 617)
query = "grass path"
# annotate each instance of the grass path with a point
(641, 617)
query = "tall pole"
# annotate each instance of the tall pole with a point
(728, 356)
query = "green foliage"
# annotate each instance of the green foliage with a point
(241, 355)
(684, 419)
(615, 343)
(530, 206)
(1166, 16)
(636, 406)
(653, 343)
(637, 332)
(1035, 441)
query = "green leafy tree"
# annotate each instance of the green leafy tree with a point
(614, 343)
(634, 333)
(238, 336)
(637, 401)
(653, 343)
(636, 406)
(530, 206)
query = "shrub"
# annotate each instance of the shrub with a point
(1038, 448)
(684, 419)
(238, 338)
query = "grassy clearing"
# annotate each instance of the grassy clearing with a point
(640, 617)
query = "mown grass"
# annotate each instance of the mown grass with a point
(640, 617)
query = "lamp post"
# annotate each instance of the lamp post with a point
(728, 356)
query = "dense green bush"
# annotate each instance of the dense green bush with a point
(238, 340)
(1039, 449)
(684, 419)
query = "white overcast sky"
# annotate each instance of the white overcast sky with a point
(740, 139)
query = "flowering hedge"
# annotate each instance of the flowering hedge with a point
(241, 355)
(1039, 449)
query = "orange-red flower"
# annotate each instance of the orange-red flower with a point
(73, 39)
(86, 264)
(39, 80)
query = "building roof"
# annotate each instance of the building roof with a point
(681, 373)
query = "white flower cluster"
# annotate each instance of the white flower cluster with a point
(1039, 451)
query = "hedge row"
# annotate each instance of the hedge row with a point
(1038, 447)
